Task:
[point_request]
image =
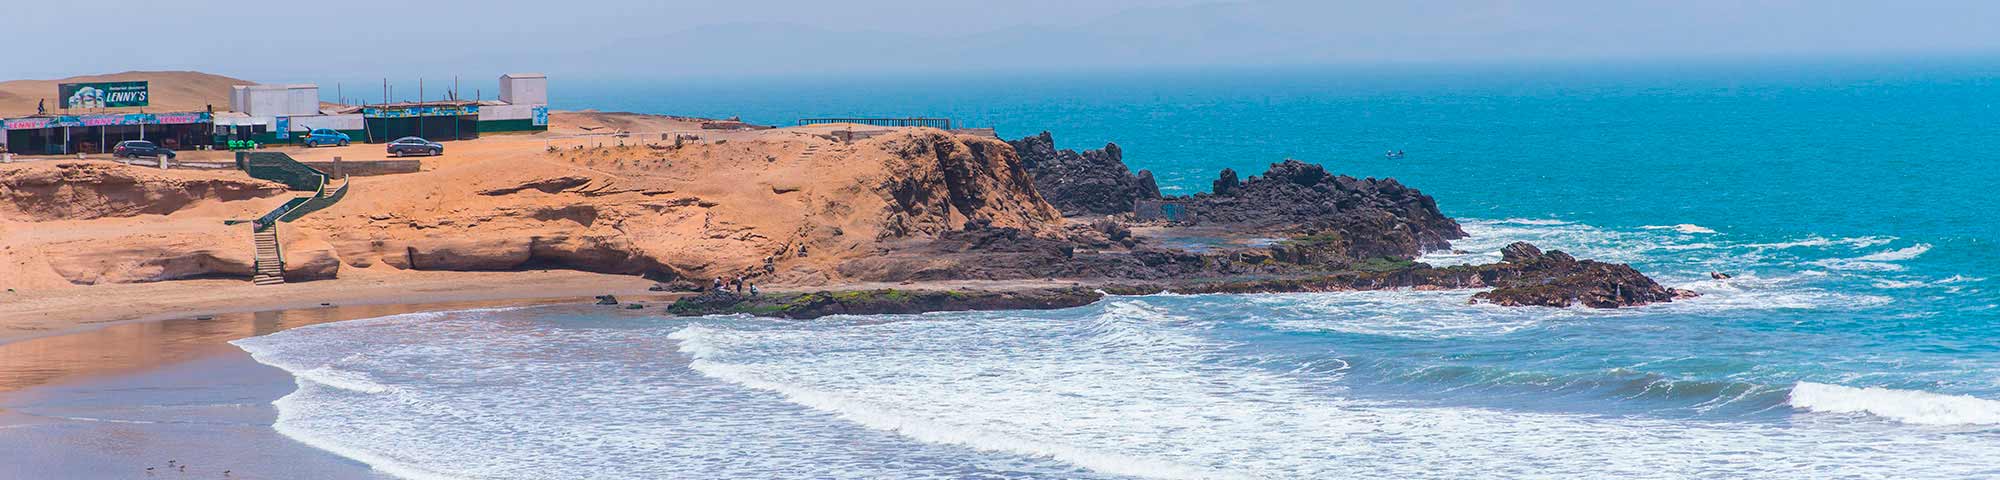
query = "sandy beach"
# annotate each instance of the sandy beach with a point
(175, 388)
(120, 378)
(41, 313)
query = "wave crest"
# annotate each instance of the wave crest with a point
(1907, 406)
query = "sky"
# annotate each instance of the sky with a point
(364, 41)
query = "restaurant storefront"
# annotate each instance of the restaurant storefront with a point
(66, 134)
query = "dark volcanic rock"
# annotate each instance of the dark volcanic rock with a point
(1226, 184)
(1555, 279)
(1527, 277)
(1374, 218)
(884, 301)
(1092, 182)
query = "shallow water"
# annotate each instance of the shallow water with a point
(1793, 370)
(1860, 337)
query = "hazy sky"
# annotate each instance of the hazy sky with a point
(357, 40)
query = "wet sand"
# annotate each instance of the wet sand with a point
(111, 402)
(34, 313)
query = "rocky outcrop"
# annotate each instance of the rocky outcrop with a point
(1092, 182)
(82, 190)
(1555, 279)
(224, 253)
(784, 208)
(1370, 218)
(939, 182)
(882, 302)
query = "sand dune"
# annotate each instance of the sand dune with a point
(171, 91)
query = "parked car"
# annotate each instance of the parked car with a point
(414, 146)
(326, 136)
(140, 148)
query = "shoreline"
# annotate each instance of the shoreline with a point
(49, 313)
(177, 389)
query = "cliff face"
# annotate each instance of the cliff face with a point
(778, 207)
(1092, 182)
(782, 207)
(67, 190)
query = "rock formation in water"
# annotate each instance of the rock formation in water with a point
(1361, 218)
(1555, 279)
(882, 302)
(1092, 182)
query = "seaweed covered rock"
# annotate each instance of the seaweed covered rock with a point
(1091, 182)
(1529, 276)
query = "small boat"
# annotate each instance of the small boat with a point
(1392, 154)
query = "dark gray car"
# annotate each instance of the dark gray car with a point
(140, 148)
(414, 146)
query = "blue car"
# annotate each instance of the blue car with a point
(326, 136)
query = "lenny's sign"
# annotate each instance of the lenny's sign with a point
(103, 95)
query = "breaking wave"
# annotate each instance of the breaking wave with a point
(1907, 406)
(1688, 228)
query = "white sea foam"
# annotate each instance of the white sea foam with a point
(1535, 221)
(1688, 228)
(1041, 387)
(875, 414)
(1883, 261)
(1907, 406)
(343, 379)
(1889, 283)
(1899, 254)
(1819, 241)
(1397, 313)
(1133, 386)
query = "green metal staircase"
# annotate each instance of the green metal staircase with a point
(281, 168)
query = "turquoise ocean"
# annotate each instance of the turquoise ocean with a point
(1854, 203)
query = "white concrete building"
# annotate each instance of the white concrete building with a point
(299, 99)
(524, 89)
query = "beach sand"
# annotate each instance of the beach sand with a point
(110, 402)
(38, 313)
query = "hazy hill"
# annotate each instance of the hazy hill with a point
(171, 91)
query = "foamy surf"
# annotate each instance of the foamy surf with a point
(1687, 228)
(1907, 406)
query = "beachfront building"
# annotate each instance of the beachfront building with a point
(435, 120)
(523, 105)
(279, 114)
(93, 117)
(51, 134)
(287, 113)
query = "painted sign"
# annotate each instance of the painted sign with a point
(103, 95)
(106, 120)
(283, 127)
(28, 123)
(408, 112)
(541, 116)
